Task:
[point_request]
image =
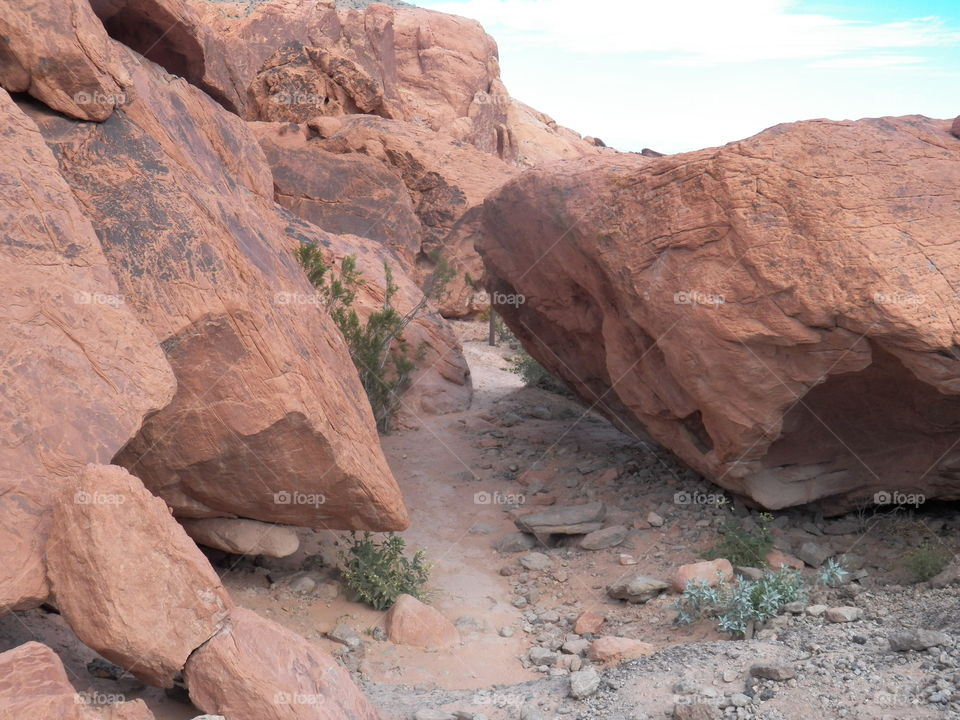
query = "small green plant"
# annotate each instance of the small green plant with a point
(536, 375)
(735, 606)
(927, 560)
(383, 358)
(742, 546)
(377, 573)
(831, 573)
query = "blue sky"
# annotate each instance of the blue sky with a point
(678, 75)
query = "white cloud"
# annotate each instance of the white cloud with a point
(694, 31)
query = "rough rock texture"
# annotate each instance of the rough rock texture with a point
(446, 180)
(708, 571)
(128, 579)
(34, 685)
(568, 520)
(78, 373)
(268, 402)
(292, 60)
(60, 54)
(411, 622)
(243, 537)
(610, 649)
(780, 312)
(955, 128)
(254, 669)
(636, 588)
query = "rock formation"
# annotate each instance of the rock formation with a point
(780, 312)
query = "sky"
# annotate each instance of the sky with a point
(678, 75)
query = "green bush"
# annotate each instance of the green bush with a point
(741, 546)
(927, 561)
(536, 375)
(734, 606)
(382, 357)
(377, 573)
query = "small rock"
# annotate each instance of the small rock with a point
(813, 554)
(740, 700)
(536, 561)
(654, 520)
(605, 538)
(588, 622)
(542, 656)
(626, 559)
(100, 668)
(567, 520)
(433, 715)
(844, 614)
(917, 639)
(345, 635)
(610, 649)
(584, 683)
(696, 711)
(795, 608)
(515, 542)
(636, 588)
(777, 559)
(710, 572)
(303, 584)
(576, 647)
(750, 573)
(411, 622)
(816, 610)
(773, 671)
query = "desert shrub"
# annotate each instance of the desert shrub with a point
(927, 560)
(383, 358)
(831, 573)
(743, 546)
(735, 605)
(377, 573)
(536, 375)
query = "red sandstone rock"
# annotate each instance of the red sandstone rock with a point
(60, 54)
(243, 537)
(255, 669)
(611, 649)
(269, 421)
(776, 559)
(588, 622)
(699, 296)
(411, 622)
(79, 372)
(34, 685)
(955, 128)
(129, 581)
(709, 571)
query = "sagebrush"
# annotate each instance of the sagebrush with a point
(928, 560)
(741, 545)
(383, 358)
(377, 573)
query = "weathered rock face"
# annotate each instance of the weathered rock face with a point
(292, 60)
(33, 684)
(122, 568)
(61, 55)
(780, 312)
(254, 669)
(446, 180)
(441, 381)
(78, 371)
(269, 421)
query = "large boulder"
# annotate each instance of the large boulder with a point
(268, 401)
(34, 684)
(780, 312)
(79, 373)
(255, 669)
(59, 53)
(127, 578)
